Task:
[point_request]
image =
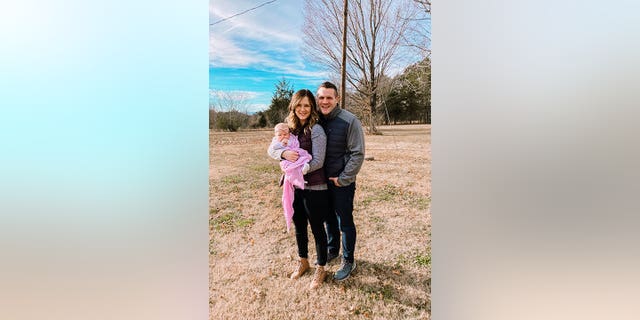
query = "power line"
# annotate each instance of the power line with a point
(243, 12)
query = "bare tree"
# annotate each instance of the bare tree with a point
(420, 36)
(228, 110)
(376, 31)
(229, 101)
(424, 5)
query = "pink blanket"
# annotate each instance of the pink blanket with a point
(292, 177)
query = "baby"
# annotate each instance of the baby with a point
(283, 139)
(293, 171)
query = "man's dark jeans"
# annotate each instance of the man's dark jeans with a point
(340, 218)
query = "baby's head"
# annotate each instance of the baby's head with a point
(281, 131)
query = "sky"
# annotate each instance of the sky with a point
(250, 53)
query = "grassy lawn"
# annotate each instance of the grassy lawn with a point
(251, 254)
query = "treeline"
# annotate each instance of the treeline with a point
(410, 96)
(405, 98)
(234, 119)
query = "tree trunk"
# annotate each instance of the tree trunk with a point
(343, 67)
(372, 114)
(374, 90)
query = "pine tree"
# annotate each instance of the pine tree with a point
(279, 107)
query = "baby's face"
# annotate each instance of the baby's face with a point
(282, 135)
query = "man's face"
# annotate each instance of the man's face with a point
(327, 100)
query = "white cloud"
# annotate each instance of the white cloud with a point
(236, 95)
(268, 38)
(310, 74)
(253, 108)
(224, 52)
(243, 101)
(279, 21)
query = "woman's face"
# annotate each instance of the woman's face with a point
(303, 109)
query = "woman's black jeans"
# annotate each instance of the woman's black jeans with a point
(311, 206)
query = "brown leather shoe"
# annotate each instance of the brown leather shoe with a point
(303, 266)
(318, 277)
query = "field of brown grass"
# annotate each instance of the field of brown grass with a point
(251, 254)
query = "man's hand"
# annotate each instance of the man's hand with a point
(305, 168)
(335, 181)
(290, 155)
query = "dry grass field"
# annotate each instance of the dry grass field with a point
(251, 254)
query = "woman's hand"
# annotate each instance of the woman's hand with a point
(335, 181)
(290, 155)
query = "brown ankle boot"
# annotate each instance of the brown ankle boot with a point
(318, 277)
(303, 266)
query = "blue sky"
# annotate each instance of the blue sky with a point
(250, 53)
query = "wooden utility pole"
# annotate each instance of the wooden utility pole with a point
(343, 70)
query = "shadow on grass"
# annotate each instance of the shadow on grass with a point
(390, 282)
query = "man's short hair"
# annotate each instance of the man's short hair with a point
(329, 85)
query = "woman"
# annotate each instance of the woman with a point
(311, 204)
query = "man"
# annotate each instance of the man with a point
(344, 157)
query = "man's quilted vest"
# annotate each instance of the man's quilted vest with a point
(335, 160)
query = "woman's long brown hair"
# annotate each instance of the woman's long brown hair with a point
(292, 119)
